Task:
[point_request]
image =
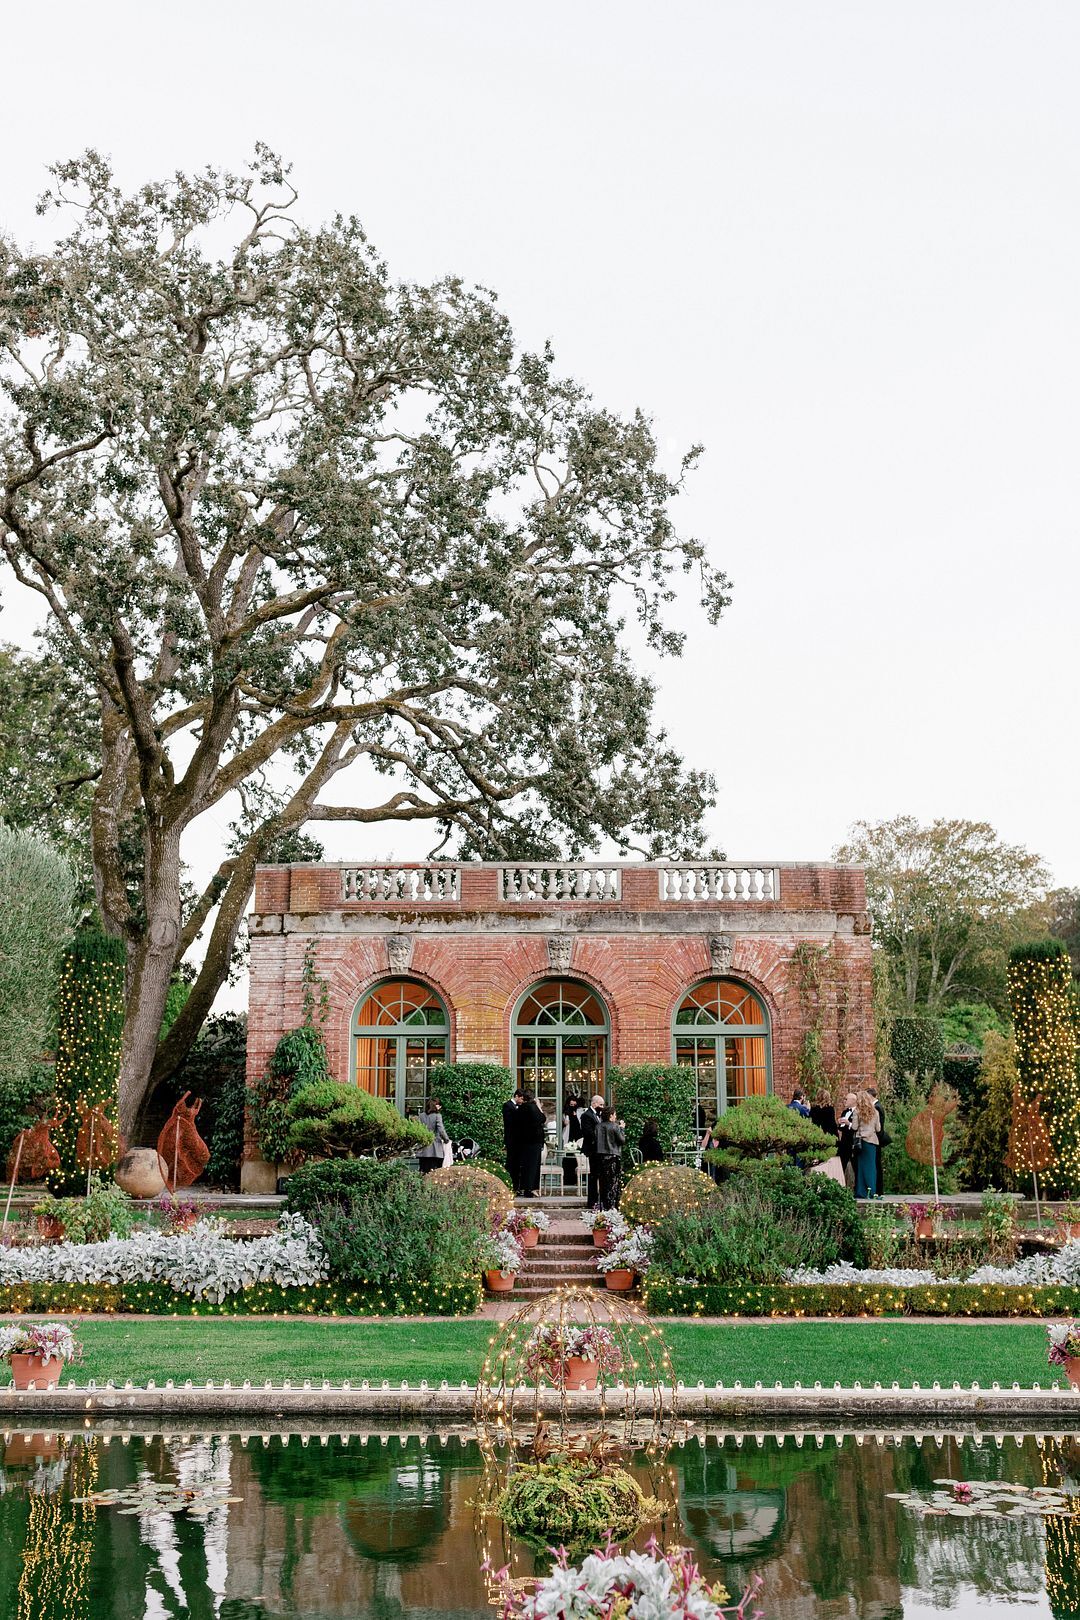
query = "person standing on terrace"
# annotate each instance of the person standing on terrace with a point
(867, 1146)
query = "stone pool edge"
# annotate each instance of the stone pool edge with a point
(1014, 1406)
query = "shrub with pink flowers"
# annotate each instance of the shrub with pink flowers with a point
(551, 1345)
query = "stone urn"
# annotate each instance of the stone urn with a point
(141, 1173)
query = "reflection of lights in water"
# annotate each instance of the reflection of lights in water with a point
(58, 1545)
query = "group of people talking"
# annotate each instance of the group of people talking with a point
(859, 1133)
(591, 1128)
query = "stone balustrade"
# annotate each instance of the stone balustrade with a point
(419, 884)
(719, 882)
(561, 882)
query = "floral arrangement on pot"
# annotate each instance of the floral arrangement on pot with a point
(500, 1260)
(526, 1225)
(606, 1225)
(1063, 1348)
(573, 1355)
(652, 1585)
(48, 1212)
(176, 1215)
(37, 1352)
(923, 1217)
(626, 1259)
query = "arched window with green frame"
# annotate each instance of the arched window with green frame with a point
(399, 1029)
(560, 1034)
(722, 1032)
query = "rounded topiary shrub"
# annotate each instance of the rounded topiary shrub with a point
(670, 1189)
(481, 1183)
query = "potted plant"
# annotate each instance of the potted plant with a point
(1064, 1349)
(49, 1214)
(526, 1226)
(37, 1352)
(176, 1215)
(923, 1217)
(573, 1356)
(607, 1226)
(1068, 1222)
(627, 1259)
(500, 1261)
(664, 1585)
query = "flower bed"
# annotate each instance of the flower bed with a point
(664, 1296)
(202, 1262)
(263, 1299)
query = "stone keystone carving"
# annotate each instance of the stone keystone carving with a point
(721, 951)
(399, 948)
(560, 949)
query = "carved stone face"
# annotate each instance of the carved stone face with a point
(721, 951)
(560, 949)
(399, 949)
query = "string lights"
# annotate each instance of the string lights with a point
(1044, 1023)
(90, 1027)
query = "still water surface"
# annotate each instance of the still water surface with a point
(392, 1529)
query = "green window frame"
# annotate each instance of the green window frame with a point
(399, 1028)
(722, 1030)
(560, 1034)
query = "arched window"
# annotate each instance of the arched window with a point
(560, 1032)
(399, 1030)
(722, 1033)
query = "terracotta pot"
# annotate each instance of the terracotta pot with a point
(600, 1237)
(1068, 1230)
(44, 1372)
(925, 1227)
(619, 1281)
(184, 1223)
(579, 1371)
(496, 1283)
(529, 1237)
(50, 1227)
(1072, 1371)
(31, 1448)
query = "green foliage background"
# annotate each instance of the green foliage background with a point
(90, 1028)
(660, 1091)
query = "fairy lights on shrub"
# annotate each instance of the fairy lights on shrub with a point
(1041, 998)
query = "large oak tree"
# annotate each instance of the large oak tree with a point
(290, 517)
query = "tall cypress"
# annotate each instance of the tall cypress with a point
(90, 1027)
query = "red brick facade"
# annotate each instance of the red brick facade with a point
(481, 934)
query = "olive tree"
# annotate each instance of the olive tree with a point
(291, 518)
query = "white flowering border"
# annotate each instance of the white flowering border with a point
(1037, 1271)
(201, 1262)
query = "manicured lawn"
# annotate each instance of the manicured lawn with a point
(845, 1352)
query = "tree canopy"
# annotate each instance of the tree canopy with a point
(37, 915)
(293, 518)
(946, 900)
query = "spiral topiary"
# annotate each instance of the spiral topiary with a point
(498, 1197)
(669, 1189)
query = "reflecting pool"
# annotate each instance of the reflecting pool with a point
(391, 1525)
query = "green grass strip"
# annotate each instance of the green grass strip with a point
(844, 1352)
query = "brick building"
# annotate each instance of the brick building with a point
(562, 971)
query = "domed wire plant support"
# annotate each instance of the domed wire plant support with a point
(534, 1404)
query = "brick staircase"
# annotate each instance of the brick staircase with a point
(564, 1257)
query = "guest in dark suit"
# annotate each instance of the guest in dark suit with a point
(533, 1128)
(883, 1140)
(512, 1137)
(590, 1120)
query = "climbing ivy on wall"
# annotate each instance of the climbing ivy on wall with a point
(90, 1025)
(811, 970)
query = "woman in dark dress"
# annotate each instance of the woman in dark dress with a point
(650, 1147)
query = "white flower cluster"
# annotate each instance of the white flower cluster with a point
(631, 1252)
(1037, 1271)
(891, 1277)
(649, 1586)
(201, 1262)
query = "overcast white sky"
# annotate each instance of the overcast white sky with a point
(839, 243)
